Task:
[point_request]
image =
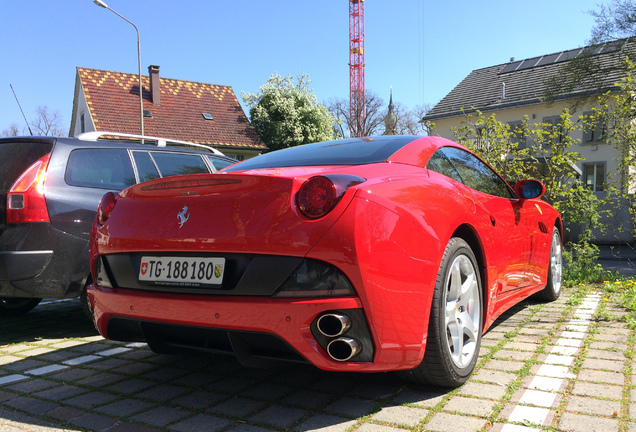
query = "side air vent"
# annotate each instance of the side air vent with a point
(543, 228)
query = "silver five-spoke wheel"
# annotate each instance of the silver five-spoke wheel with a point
(462, 311)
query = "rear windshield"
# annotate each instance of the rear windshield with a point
(16, 157)
(352, 151)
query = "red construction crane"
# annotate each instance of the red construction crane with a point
(356, 67)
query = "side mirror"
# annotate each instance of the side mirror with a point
(529, 189)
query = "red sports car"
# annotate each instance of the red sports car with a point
(390, 253)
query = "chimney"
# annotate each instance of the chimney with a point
(155, 90)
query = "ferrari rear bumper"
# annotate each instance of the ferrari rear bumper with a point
(254, 329)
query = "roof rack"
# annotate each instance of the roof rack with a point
(150, 140)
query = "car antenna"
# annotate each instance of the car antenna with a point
(25, 119)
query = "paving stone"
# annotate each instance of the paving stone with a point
(444, 422)
(23, 365)
(65, 413)
(130, 386)
(30, 405)
(90, 400)
(60, 393)
(583, 423)
(374, 390)
(371, 427)
(632, 411)
(161, 416)
(495, 377)
(622, 338)
(522, 346)
(351, 407)
(537, 398)
(101, 379)
(124, 407)
(32, 385)
(603, 377)
(198, 399)
(163, 392)
(504, 365)
(305, 398)
(94, 422)
(523, 414)
(279, 416)
(267, 391)
(132, 427)
(73, 374)
(606, 355)
(424, 398)
(201, 422)
(593, 406)
(612, 365)
(514, 355)
(237, 407)
(318, 423)
(470, 406)
(582, 388)
(535, 331)
(608, 346)
(487, 391)
(545, 383)
(401, 415)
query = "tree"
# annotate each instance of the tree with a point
(372, 122)
(614, 21)
(12, 130)
(376, 110)
(287, 114)
(45, 123)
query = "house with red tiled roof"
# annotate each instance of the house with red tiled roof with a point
(175, 109)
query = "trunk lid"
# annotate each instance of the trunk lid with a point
(238, 213)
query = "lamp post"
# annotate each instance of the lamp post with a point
(141, 100)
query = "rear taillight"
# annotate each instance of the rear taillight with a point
(106, 206)
(25, 199)
(320, 194)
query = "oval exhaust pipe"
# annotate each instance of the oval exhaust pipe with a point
(333, 324)
(343, 349)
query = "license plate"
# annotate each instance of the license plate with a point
(184, 271)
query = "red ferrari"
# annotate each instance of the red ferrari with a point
(390, 253)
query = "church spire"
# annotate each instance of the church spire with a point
(390, 121)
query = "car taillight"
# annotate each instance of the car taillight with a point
(320, 194)
(106, 206)
(25, 199)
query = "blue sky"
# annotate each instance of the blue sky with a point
(423, 48)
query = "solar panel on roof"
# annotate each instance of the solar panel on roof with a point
(510, 67)
(529, 63)
(548, 59)
(560, 57)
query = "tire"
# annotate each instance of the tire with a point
(455, 324)
(552, 290)
(10, 307)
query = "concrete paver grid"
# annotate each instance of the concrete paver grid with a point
(542, 366)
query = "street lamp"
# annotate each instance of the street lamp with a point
(141, 100)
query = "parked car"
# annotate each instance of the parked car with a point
(390, 253)
(49, 191)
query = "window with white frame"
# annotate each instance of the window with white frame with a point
(594, 176)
